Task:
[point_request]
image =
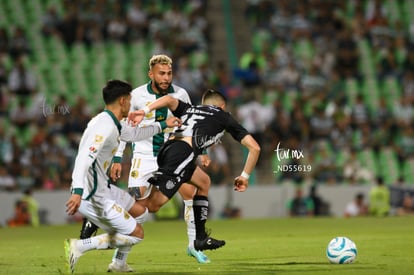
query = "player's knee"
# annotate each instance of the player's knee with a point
(204, 184)
(187, 191)
(157, 200)
(153, 206)
(138, 233)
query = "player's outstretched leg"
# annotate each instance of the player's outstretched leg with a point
(189, 219)
(88, 229)
(113, 267)
(203, 240)
(199, 255)
(208, 243)
(72, 254)
(118, 263)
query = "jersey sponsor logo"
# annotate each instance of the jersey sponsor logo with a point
(170, 184)
(93, 149)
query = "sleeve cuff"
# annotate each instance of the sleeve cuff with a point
(163, 124)
(117, 159)
(77, 191)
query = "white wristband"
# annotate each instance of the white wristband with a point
(245, 175)
(146, 110)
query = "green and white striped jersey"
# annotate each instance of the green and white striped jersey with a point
(141, 97)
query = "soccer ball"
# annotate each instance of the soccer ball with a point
(341, 250)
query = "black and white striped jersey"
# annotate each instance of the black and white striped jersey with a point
(206, 124)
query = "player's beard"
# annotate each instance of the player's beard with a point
(161, 90)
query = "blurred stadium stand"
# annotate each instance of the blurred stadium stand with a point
(340, 51)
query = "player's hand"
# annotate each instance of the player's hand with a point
(135, 117)
(173, 122)
(241, 184)
(116, 170)
(205, 160)
(73, 204)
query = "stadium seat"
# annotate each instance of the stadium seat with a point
(391, 91)
(304, 50)
(288, 100)
(368, 160)
(370, 92)
(408, 171)
(388, 165)
(351, 90)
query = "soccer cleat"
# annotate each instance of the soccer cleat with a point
(199, 255)
(88, 229)
(208, 244)
(72, 254)
(114, 267)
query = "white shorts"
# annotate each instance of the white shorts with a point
(141, 170)
(114, 218)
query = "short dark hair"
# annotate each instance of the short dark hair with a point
(115, 89)
(213, 95)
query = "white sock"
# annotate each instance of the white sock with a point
(105, 241)
(143, 217)
(121, 255)
(189, 219)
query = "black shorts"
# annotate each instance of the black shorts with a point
(176, 164)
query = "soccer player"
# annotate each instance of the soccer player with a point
(202, 126)
(144, 160)
(104, 204)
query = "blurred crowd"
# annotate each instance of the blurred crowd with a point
(334, 80)
(39, 135)
(179, 27)
(306, 84)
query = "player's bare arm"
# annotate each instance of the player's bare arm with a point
(73, 204)
(135, 117)
(241, 182)
(165, 101)
(116, 169)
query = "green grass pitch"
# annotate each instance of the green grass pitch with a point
(254, 246)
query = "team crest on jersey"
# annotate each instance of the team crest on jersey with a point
(99, 139)
(134, 174)
(170, 184)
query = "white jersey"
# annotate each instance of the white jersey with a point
(97, 147)
(141, 97)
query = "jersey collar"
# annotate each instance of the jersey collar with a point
(116, 121)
